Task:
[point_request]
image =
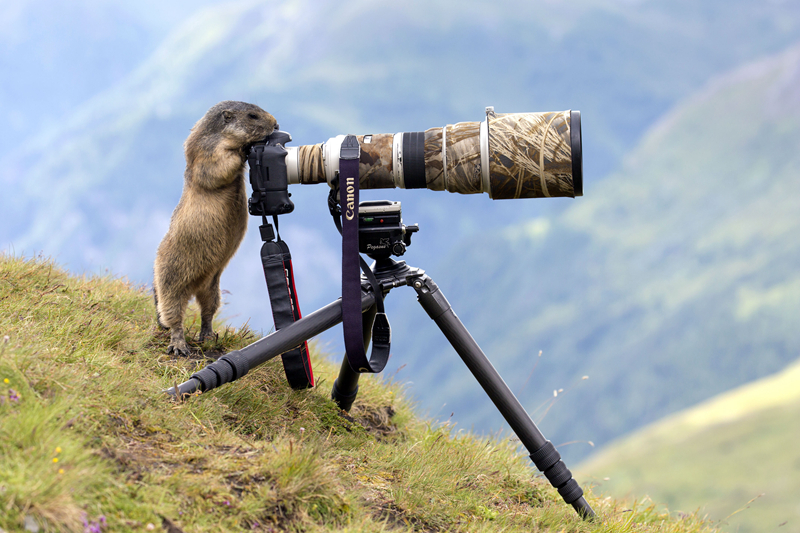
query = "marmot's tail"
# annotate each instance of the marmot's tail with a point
(158, 316)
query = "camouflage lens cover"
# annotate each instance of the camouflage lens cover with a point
(530, 155)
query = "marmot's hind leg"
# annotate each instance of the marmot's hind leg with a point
(170, 313)
(208, 298)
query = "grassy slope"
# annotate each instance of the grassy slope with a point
(88, 441)
(717, 456)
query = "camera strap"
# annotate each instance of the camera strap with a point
(277, 262)
(352, 265)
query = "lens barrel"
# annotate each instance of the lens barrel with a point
(512, 155)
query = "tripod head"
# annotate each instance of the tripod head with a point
(381, 232)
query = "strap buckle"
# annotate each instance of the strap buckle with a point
(350, 149)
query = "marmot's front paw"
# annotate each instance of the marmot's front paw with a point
(179, 348)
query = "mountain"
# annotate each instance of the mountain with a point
(716, 457)
(70, 188)
(573, 278)
(671, 281)
(56, 55)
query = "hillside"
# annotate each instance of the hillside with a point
(669, 282)
(89, 442)
(614, 288)
(716, 457)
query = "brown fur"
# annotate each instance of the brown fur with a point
(210, 220)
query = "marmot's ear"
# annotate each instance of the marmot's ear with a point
(227, 115)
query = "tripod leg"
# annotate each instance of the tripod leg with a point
(345, 388)
(239, 362)
(543, 453)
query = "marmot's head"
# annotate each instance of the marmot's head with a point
(237, 124)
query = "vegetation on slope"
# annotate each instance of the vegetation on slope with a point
(717, 457)
(89, 442)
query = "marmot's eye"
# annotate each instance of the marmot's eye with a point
(253, 116)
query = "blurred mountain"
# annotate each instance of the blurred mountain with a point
(716, 457)
(669, 282)
(54, 55)
(614, 286)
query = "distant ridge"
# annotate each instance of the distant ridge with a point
(716, 457)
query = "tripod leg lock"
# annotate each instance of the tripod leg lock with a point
(224, 370)
(429, 295)
(548, 460)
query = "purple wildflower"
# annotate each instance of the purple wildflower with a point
(94, 527)
(13, 395)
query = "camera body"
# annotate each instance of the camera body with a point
(268, 176)
(381, 232)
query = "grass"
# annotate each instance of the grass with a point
(735, 457)
(89, 442)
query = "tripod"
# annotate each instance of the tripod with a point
(391, 274)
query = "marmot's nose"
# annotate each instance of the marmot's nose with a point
(277, 126)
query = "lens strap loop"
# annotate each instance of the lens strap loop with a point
(352, 265)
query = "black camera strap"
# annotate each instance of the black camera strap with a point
(352, 265)
(277, 262)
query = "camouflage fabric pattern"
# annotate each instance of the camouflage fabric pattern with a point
(434, 170)
(375, 163)
(530, 155)
(463, 158)
(375, 167)
(310, 166)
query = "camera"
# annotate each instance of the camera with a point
(268, 176)
(511, 155)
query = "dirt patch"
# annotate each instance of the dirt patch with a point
(241, 483)
(134, 459)
(397, 517)
(377, 422)
(169, 526)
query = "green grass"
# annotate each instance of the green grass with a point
(735, 458)
(89, 441)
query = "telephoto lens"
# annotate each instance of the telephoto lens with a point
(511, 155)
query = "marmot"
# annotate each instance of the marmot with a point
(210, 220)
